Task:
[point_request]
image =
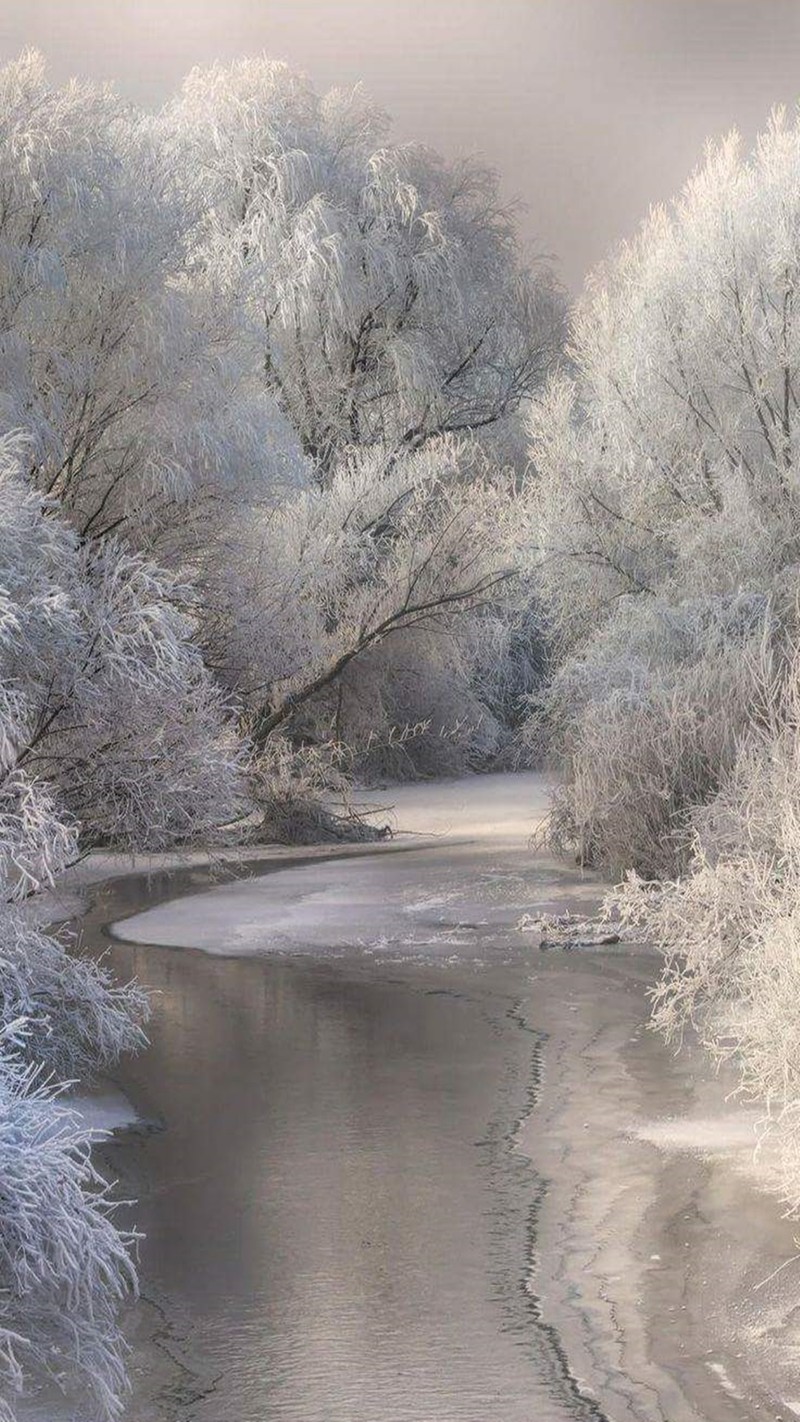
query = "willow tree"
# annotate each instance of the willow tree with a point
(387, 312)
(128, 383)
(384, 285)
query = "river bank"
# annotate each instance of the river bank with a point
(488, 1187)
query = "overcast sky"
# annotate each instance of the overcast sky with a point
(591, 110)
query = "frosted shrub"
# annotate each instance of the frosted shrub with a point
(647, 724)
(78, 1020)
(303, 795)
(730, 927)
(64, 1266)
(108, 713)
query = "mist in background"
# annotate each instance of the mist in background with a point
(591, 110)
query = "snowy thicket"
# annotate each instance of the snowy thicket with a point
(224, 322)
(730, 926)
(666, 494)
(381, 556)
(104, 697)
(64, 1265)
(645, 722)
(95, 662)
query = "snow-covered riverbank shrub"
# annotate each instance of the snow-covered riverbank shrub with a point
(64, 1266)
(667, 479)
(730, 927)
(646, 722)
(103, 695)
(668, 505)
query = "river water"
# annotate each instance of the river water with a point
(338, 1222)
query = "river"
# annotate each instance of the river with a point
(337, 1218)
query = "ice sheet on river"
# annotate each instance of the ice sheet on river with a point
(454, 897)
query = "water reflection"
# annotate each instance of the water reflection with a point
(337, 1222)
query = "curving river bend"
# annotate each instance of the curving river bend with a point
(338, 1220)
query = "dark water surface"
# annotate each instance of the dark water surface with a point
(338, 1224)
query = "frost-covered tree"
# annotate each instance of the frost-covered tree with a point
(391, 319)
(128, 380)
(667, 487)
(384, 286)
(729, 927)
(104, 694)
(320, 583)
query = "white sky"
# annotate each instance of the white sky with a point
(590, 109)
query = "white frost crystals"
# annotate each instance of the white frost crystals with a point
(64, 1266)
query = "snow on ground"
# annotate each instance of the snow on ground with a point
(103, 1111)
(506, 807)
(460, 864)
(737, 1130)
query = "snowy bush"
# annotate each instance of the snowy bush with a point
(64, 1265)
(646, 723)
(77, 1019)
(729, 927)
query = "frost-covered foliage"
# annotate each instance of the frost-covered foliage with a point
(212, 318)
(391, 319)
(76, 1020)
(667, 479)
(384, 284)
(645, 722)
(126, 378)
(103, 695)
(667, 497)
(386, 552)
(304, 795)
(729, 927)
(64, 1265)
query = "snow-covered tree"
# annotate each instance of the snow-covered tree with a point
(104, 694)
(384, 286)
(128, 381)
(667, 480)
(389, 315)
(323, 580)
